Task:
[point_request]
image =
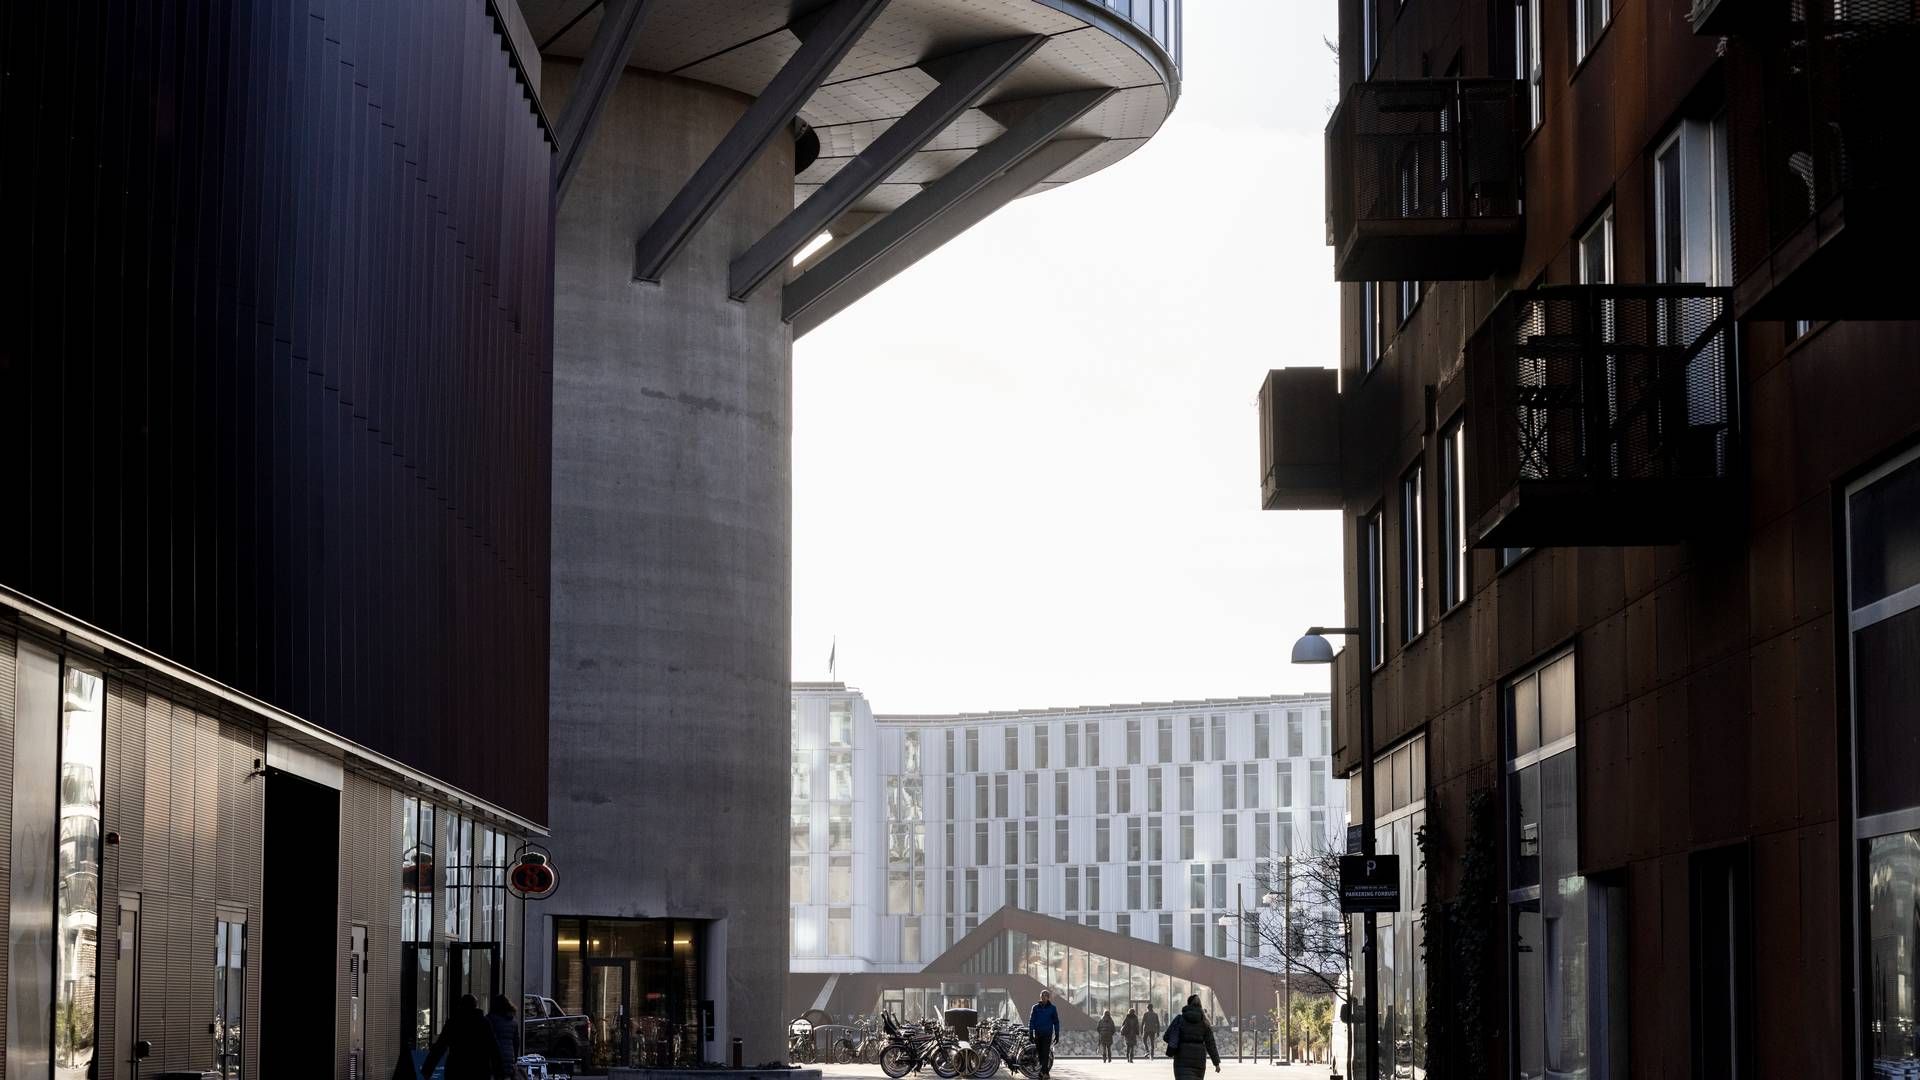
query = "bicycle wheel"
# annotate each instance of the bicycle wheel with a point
(989, 1065)
(944, 1065)
(896, 1061)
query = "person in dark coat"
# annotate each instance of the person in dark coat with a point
(1130, 1031)
(506, 1029)
(1044, 1022)
(1191, 1039)
(1149, 1027)
(468, 1044)
(1105, 1030)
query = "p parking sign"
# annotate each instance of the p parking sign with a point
(1369, 883)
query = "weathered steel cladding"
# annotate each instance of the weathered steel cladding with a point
(1711, 704)
(275, 391)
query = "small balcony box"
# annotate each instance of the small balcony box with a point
(1300, 439)
(1607, 415)
(1836, 161)
(1423, 180)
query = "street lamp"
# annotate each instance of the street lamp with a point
(1314, 648)
(1239, 1005)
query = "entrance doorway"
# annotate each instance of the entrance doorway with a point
(640, 983)
(300, 900)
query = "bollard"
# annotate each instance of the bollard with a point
(737, 1051)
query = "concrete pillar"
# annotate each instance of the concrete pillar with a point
(672, 527)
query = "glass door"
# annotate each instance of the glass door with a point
(473, 968)
(610, 1011)
(126, 1019)
(229, 993)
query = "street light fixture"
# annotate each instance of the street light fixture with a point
(1314, 648)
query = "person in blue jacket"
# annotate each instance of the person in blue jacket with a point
(1044, 1022)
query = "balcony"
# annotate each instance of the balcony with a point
(1836, 161)
(1608, 415)
(1423, 180)
(1300, 439)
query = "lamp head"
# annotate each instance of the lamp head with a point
(1312, 649)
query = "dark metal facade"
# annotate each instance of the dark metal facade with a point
(275, 384)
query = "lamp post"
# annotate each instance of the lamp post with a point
(1239, 1004)
(1314, 648)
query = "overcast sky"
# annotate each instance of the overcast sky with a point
(1026, 471)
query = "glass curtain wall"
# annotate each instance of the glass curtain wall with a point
(1090, 981)
(1400, 808)
(1883, 623)
(453, 916)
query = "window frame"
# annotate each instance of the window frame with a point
(1602, 223)
(1413, 554)
(1457, 566)
(1373, 531)
(1585, 38)
(1529, 61)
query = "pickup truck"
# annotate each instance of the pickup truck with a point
(553, 1032)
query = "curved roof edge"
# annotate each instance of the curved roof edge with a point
(1096, 14)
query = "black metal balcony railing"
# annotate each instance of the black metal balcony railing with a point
(1423, 180)
(1836, 161)
(1608, 414)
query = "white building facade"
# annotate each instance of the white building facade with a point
(1150, 820)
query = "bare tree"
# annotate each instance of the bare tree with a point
(1301, 933)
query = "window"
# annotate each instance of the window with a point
(1156, 887)
(1165, 732)
(1262, 735)
(840, 880)
(1133, 742)
(1596, 251)
(981, 856)
(1166, 930)
(1156, 785)
(910, 752)
(1526, 39)
(1156, 846)
(1197, 886)
(1000, 795)
(1411, 293)
(1284, 774)
(1032, 832)
(1229, 836)
(1883, 623)
(1123, 924)
(1011, 748)
(1093, 889)
(1060, 844)
(1229, 787)
(1317, 778)
(1072, 902)
(1413, 572)
(799, 879)
(1721, 929)
(1102, 839)
(1453, 515)
(76, 904)
(1073, 745)
(1372, 325)
(840, 775)
(953, 756)
(230, 994)
(1555, 957)
(1031, 877)
(1133, 888)
(973, 891)
(1186, 836)
(1589, 21)
(1376, 591)
(1030, 795)
(1103, 792)
(1134, 850)
(1196, 738)
(1369, 41)
(1186, 787)
(1692, 215)
(1123, 791)
(840, 827)
(1040, 747)
(840, 723)
(1262, 835)
(980, 806)
(1250, 784)
(1062, 799)
(909, 942)
(1217, 737)
(1296, 733)
(1197, 932)
(973, 749)
(1010, 845)
(1093, 742)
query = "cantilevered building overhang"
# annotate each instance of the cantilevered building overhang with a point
(912, 119)
(702, 149)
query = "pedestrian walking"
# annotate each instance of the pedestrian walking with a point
(1149, 1026)
(1044, 1022)
(1130, 1031)
(506, 1030)
(468, 1045)
(1105, 1029)
(1190, 1042)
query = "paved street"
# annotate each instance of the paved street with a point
(1086, 1069)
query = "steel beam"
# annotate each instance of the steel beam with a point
(964, 77)
(599, 74)
(833, 294)
(825, 38)
(1030, 125)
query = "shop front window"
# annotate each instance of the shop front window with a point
(77, 904)
(640, 983)
(1883, 620)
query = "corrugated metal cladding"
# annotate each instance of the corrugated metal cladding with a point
(275, 391)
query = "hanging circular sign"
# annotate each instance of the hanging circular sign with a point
(533, 878)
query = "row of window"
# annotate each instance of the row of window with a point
(1238, 787)
(1589, 23)
(1081, 742)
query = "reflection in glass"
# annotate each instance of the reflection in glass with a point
(1893, 949)
(229, 996)
(77, 914)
